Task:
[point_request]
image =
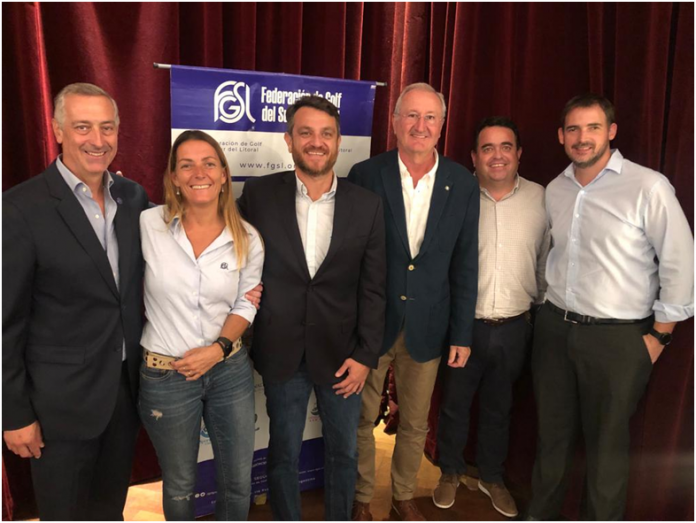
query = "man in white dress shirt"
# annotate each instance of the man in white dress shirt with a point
(620, 276)
(321, 323)
(513, 245)
(431, 210)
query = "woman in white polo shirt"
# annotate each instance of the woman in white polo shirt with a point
(200, 260)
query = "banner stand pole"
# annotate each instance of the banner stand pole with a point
(169, 66)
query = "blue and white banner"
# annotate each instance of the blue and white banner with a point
(245, 112)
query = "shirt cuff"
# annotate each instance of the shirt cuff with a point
(667, 313)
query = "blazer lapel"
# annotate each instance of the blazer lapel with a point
(285, 199)
(341, 222)
(123, 226)
(391, 178)
(74, 216)
(441, 192)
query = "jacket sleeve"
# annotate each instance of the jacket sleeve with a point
(18, 267)
(372, 293)
(463, 275)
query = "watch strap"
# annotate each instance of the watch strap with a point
(665, 338)
(226, 345)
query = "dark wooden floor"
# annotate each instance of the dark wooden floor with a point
(145, 501)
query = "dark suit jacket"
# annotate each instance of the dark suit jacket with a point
(432, 296)
(63, 318)
(335, 315)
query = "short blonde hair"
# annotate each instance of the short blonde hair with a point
(420, 86)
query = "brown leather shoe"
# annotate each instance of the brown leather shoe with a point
(406, 510)
(361, 511)
(500, 497)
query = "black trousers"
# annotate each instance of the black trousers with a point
(88, 480)
(497, 358)
(589, 378)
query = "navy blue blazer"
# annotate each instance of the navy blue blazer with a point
(432, 297)
(339, 313)
(64, 319)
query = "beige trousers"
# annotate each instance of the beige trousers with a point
(414, 385)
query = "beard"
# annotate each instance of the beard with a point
(591, 161)
(310, 171)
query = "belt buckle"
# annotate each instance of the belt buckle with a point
(565, 318)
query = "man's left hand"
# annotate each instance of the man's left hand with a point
(654, 347)
(354, 383)
(458, 356)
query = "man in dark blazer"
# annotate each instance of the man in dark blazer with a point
(431, 211)
(71, 316)
(321, 320)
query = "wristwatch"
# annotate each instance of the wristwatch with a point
(665, 338)
(226, 345)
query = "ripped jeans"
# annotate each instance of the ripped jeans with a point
(171, 409)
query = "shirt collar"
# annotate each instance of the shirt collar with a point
(302, 188)
(508, 195)
(74, 182)
(614, 164)
(429, 177)
(176, 229)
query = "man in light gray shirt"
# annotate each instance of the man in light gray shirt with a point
(620, 276)
(513, 245)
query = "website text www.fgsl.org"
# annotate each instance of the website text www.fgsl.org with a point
(274, 166)
(271, 166)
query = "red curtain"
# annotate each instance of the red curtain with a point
(523, 60)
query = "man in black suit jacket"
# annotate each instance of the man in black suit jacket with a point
(321, 321)
(431, 210)
(71, 316)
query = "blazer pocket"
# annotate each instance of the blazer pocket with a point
(439, 322)
(56, 354)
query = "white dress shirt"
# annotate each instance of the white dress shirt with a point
(513, 246)
(417, 203)
(607, 238)
(315, 221)
(188, 299)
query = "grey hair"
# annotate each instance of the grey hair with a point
(83, 89)
(420, 86)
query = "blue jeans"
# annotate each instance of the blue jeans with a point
(171, 409)
(286, 404)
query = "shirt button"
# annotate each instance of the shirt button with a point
(96, 216)
(577, 216)
(411, 267)
(84, 189)
(403, 298)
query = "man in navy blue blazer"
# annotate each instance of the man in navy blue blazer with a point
(431, 211)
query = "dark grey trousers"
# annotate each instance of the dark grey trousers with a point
(587, 378)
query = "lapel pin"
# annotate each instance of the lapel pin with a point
(119, 201)
(446, 187)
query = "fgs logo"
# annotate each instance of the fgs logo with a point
(232, 102)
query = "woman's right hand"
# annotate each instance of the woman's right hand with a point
(198, 361)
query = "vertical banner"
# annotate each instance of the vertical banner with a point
(246, 112)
